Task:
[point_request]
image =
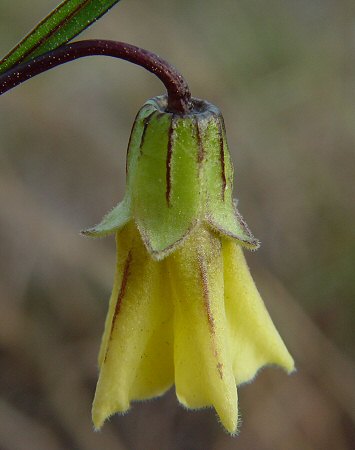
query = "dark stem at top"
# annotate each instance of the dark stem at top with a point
(179, 96)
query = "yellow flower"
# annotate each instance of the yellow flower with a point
(184, 309)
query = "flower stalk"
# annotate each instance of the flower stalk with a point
(179, 96)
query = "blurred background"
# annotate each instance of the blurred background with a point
(283, 74)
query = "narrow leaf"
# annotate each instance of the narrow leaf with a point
(65, 22)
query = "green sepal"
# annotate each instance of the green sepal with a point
(230, 223)
(119, 216)
(220, 209)
(165, 184)
(135, 139)
(121, 213)
(179, 174)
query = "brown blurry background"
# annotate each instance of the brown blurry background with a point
(283, 74)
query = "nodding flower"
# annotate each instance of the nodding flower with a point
(184, 309)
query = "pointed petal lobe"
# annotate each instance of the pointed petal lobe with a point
(135, 359)
(203, 373)
(254, 340)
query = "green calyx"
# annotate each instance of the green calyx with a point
(179, 174)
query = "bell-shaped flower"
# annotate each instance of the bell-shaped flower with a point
(184, 309)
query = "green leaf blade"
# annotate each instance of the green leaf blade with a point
(65, 22)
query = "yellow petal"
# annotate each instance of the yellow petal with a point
(203, 371)
(254, 340)
(136, 356)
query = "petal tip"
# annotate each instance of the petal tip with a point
(100, 413)
(98, 419)
(231, 425)
(285, 361)
(290, 367)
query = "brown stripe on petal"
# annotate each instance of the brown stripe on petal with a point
(201, 150)
(121, 295)
(146, 121)
(205, 291)
(221, 156)
(220, 369)
(168, 159)
(207, 305)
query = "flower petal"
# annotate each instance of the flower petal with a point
(203, 371)
(135, 359)
(254, 340)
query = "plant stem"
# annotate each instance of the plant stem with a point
(179, 96)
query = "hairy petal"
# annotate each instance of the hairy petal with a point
(135, 359)
(254, 340)
(203, 371)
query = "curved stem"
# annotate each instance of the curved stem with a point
(179, 96)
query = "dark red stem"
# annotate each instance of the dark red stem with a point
(179, 96)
